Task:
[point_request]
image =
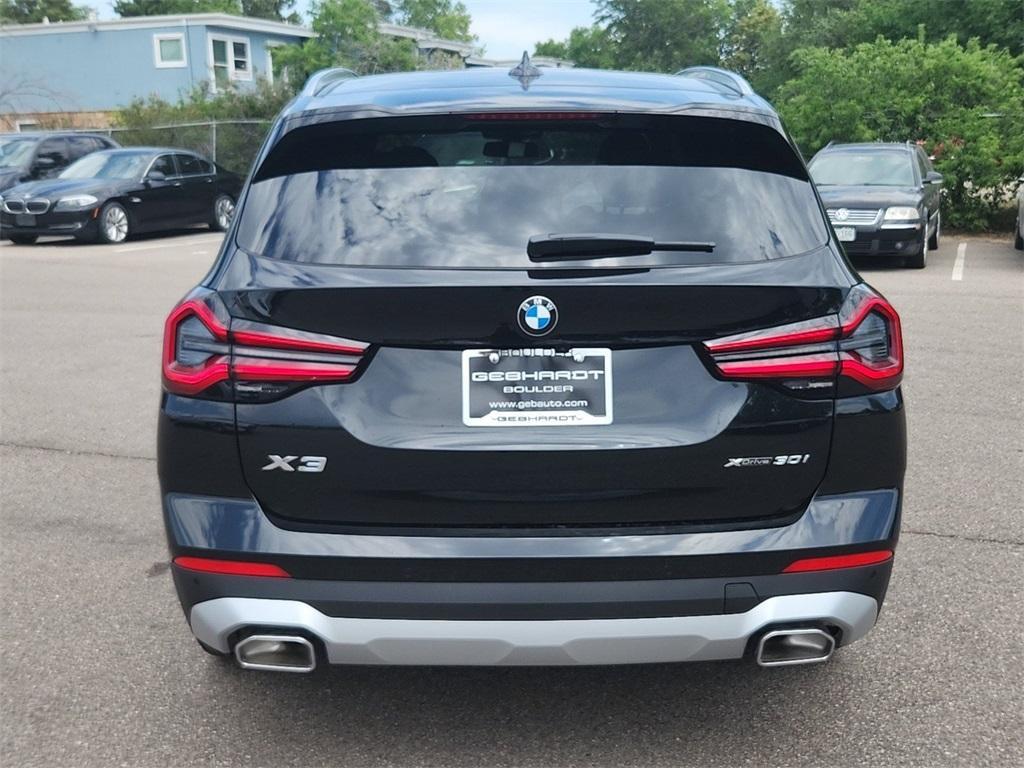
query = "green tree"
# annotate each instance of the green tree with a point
(127, 8)
(663, 35)
(276, 10)
(753, 44)
(347, 36)
(964, 102)
(845, 23)
(448, 20)
(585, 47)
(34, 11)
(236, 143)
(658, 35)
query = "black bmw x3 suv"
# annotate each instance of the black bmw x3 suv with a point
(536, 367)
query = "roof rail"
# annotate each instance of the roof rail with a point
(735, 83)
(323, 79)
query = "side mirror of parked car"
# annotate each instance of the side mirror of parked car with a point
(153, 176)
(933, 177)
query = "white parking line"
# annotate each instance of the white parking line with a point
(958, 265)
(178, 244)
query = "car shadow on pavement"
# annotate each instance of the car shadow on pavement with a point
(878, 264)
(552, 716)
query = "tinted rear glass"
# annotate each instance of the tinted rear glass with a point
(459, 192)
(873, 168)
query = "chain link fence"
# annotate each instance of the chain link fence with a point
(232, 144)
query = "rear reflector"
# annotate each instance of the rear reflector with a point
(231, 567)
(833, 562)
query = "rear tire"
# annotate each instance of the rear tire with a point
(933, 241)
(24, 239)
(223, 212)
(114, 224)
(1018, 238)
(920, 259)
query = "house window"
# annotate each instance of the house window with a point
(230, 60)
(169, 51)
(240, 59)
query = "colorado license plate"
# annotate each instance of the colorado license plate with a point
(536, 387)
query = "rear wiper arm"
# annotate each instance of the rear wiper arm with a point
(597, 246)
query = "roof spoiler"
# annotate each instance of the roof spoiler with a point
(723, 77)
(323, 79)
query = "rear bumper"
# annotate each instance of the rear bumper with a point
(535, 643)
(539, 600)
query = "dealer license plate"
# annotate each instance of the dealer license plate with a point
(536, 387)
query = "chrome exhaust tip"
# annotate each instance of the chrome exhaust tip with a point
(788, 647)
(276, 653)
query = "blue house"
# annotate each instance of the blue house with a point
(81, 71)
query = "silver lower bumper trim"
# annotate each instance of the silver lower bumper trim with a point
(532, 643)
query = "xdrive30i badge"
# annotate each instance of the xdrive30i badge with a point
(537, 316)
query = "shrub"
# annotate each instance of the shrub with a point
(964, 103)
(154, 121)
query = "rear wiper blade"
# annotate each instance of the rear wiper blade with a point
(598, 246)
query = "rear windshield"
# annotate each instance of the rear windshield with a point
(874, 168)
(471, 192)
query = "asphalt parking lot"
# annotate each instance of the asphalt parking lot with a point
(97, 667)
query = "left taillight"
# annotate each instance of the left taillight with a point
(861, 348)
(197, 356)
(206, 354)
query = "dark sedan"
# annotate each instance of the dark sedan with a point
(882, 199)
(110, 196)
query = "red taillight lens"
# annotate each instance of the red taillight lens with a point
(834, 562)
(200, 352)
(863, 344)
(196, 353)
(231, 567)
(871, 349)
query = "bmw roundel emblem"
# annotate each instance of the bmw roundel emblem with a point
(538, 316)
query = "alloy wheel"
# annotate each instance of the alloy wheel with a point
(224, 211)
(115, 224)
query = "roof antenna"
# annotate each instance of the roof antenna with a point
(525, 72)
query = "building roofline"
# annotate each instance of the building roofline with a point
(152, 22)
(424, 38)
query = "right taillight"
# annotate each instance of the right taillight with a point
(861, 348)
(871, 345)
(203, 357)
